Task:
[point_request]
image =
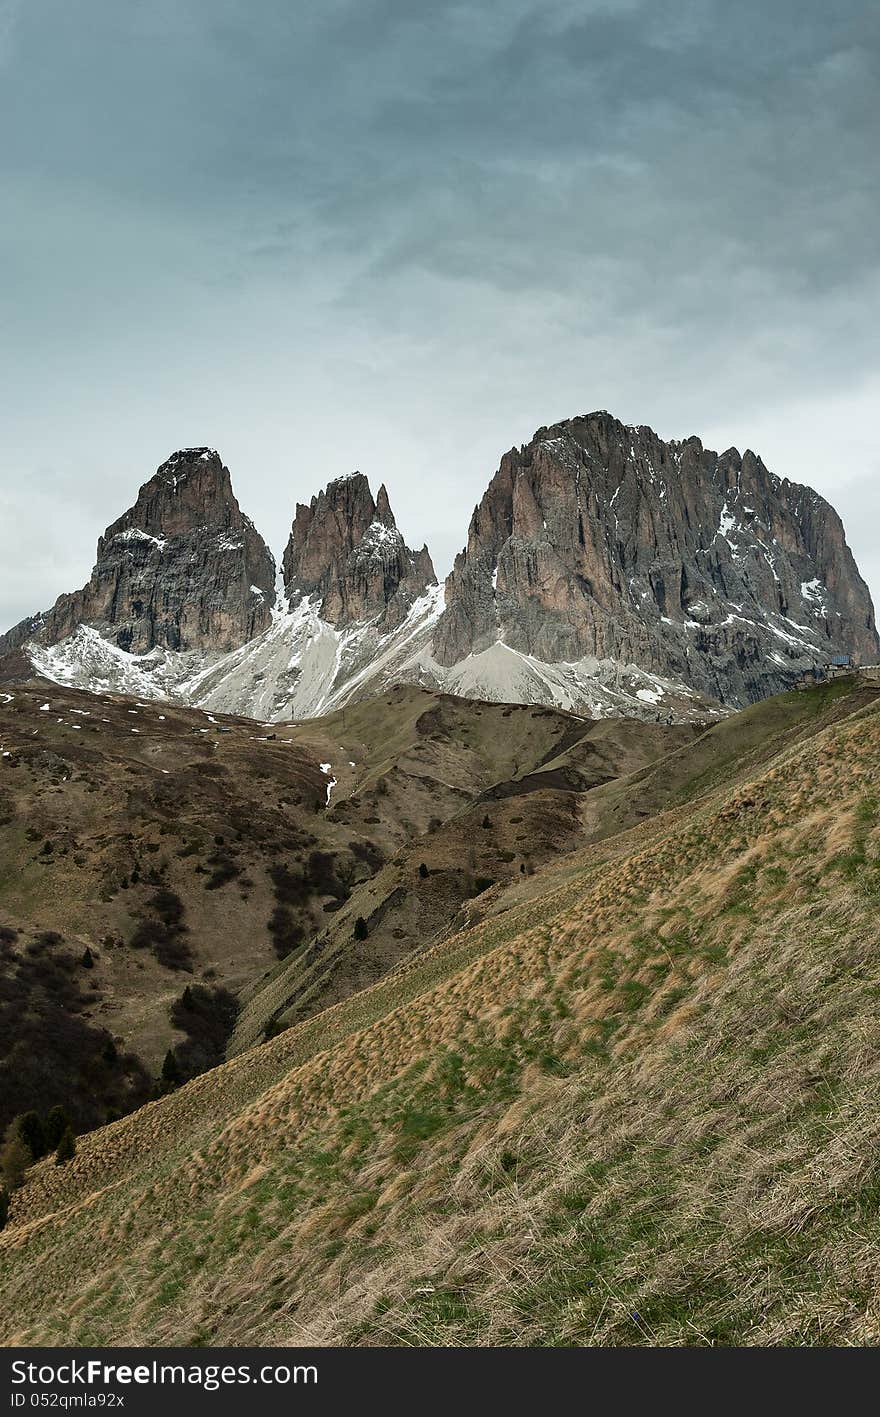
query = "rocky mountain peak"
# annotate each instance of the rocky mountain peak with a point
(191, 490)
(384, 513)
(182, 569)
(346, 552)
(598, 540)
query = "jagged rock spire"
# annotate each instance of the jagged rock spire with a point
(346, 552)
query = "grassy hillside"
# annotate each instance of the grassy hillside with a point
(531, 770)
(636, 1104)
(147, 851)
(597, 781)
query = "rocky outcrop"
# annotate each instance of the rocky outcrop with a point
(599, 540)
(346, 553)
(183, 569)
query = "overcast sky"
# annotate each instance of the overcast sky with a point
(400, 236)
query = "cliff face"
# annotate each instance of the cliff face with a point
(183, 569)
(345, 551)
(601, 540)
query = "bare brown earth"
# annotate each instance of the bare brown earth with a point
(635, 1102)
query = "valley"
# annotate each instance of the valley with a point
(167, 848)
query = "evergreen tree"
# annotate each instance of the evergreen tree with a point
(361, 929)
(4, 1207)
(33, 1134)
(15, 1158)
(170, 1070)
(57, 1123)
(88, 959)
(66, 1148)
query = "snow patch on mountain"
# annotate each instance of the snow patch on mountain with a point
(815, 592)
(300, 667)
(303, 667)
(134, 533)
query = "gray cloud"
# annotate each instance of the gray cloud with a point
(367, 233)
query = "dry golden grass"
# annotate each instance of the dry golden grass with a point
(639, 1106)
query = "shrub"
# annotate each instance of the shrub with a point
(66, 1148)
(168, 907)
(163, 931)
(361, 928)
(224, 870)
(47, 939)
(286, 932)
(289, 886)
(173, 952)
(369, 853)
(323, 875)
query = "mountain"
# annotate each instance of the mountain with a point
(182, 604)
(606, 572)
(630, 1101)
(601, 542)
(181, 570)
